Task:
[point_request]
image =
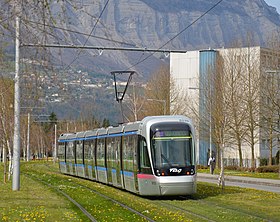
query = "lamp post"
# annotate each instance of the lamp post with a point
(162, 101)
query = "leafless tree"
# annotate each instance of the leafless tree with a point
(270, 95)
(233, 67)
(134, 102)
(157, 93)
(6, 117)
(251, 80)
(163, 96)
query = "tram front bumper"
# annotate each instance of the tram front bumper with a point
(184, 185)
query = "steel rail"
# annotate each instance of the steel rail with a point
(85, 212)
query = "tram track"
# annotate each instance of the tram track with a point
(193, 207)
(178, 206)
(84, 211)
(76, 203)
(231, 208)
(168, 205)
(116, 202)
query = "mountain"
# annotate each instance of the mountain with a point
(151, 24)
(139, 23)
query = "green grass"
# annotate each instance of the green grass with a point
(34, 202)
(38, 202)
(243, 173)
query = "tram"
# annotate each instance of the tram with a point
(152, 157)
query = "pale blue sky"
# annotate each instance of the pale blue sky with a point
(274, 3)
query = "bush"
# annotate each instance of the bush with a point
(237, 168)
(201, 167)
(263, 162)
(232, 168)
(268, 169)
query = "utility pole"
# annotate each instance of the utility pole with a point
(55, 144)
(28, 139)
(16, 146)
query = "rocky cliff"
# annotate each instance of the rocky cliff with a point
(151, 24)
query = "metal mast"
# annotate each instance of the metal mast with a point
(16, 146)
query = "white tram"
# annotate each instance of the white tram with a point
(152, 157)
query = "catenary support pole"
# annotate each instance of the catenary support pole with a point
(16, 146)
(28, 139)
(55, 144)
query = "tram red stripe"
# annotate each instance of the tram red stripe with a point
(145, 176)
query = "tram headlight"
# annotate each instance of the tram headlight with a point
(158, 173)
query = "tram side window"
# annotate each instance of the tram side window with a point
(110, 147)
(129, 151)
(70, 152)
(88, 149)
(61, 151)
(79, 152)
(101, 152)
(144, 161)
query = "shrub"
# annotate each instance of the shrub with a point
(268, 169)
(232, 168)
(263, 162)
(201, 167)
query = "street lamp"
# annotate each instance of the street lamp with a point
(162, 101)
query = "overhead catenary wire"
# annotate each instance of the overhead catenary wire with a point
(81, 33)
(179, 33)
(153, 51)
(102, 48)
(93, 28)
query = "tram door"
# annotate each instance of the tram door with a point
(118, 162)
(113, 161)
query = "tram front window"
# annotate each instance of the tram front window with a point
(172, 151)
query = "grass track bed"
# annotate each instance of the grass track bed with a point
(42, 203)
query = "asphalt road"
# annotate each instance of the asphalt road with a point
(270, 185)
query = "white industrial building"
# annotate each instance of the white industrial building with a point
(190, 70)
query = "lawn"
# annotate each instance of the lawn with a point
(243, 173)
(38, 202)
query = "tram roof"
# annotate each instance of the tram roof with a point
(80, 134)
(132, 126)
(102, 131)
(117, 129)
(90, 133)
(71, 136)
(64, 136)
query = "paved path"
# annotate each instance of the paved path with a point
(270, 185)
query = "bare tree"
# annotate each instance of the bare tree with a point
(6, 117)
(270, 93)
(157, 93)
(233, 67)
(252, 98)
(134, 103)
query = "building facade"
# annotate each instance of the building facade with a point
(195, 72)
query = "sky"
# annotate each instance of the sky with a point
(274, 3)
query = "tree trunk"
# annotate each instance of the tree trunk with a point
(221, 179)
(240, 153)
(5, 163)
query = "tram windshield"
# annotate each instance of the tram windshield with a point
(172, 147)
